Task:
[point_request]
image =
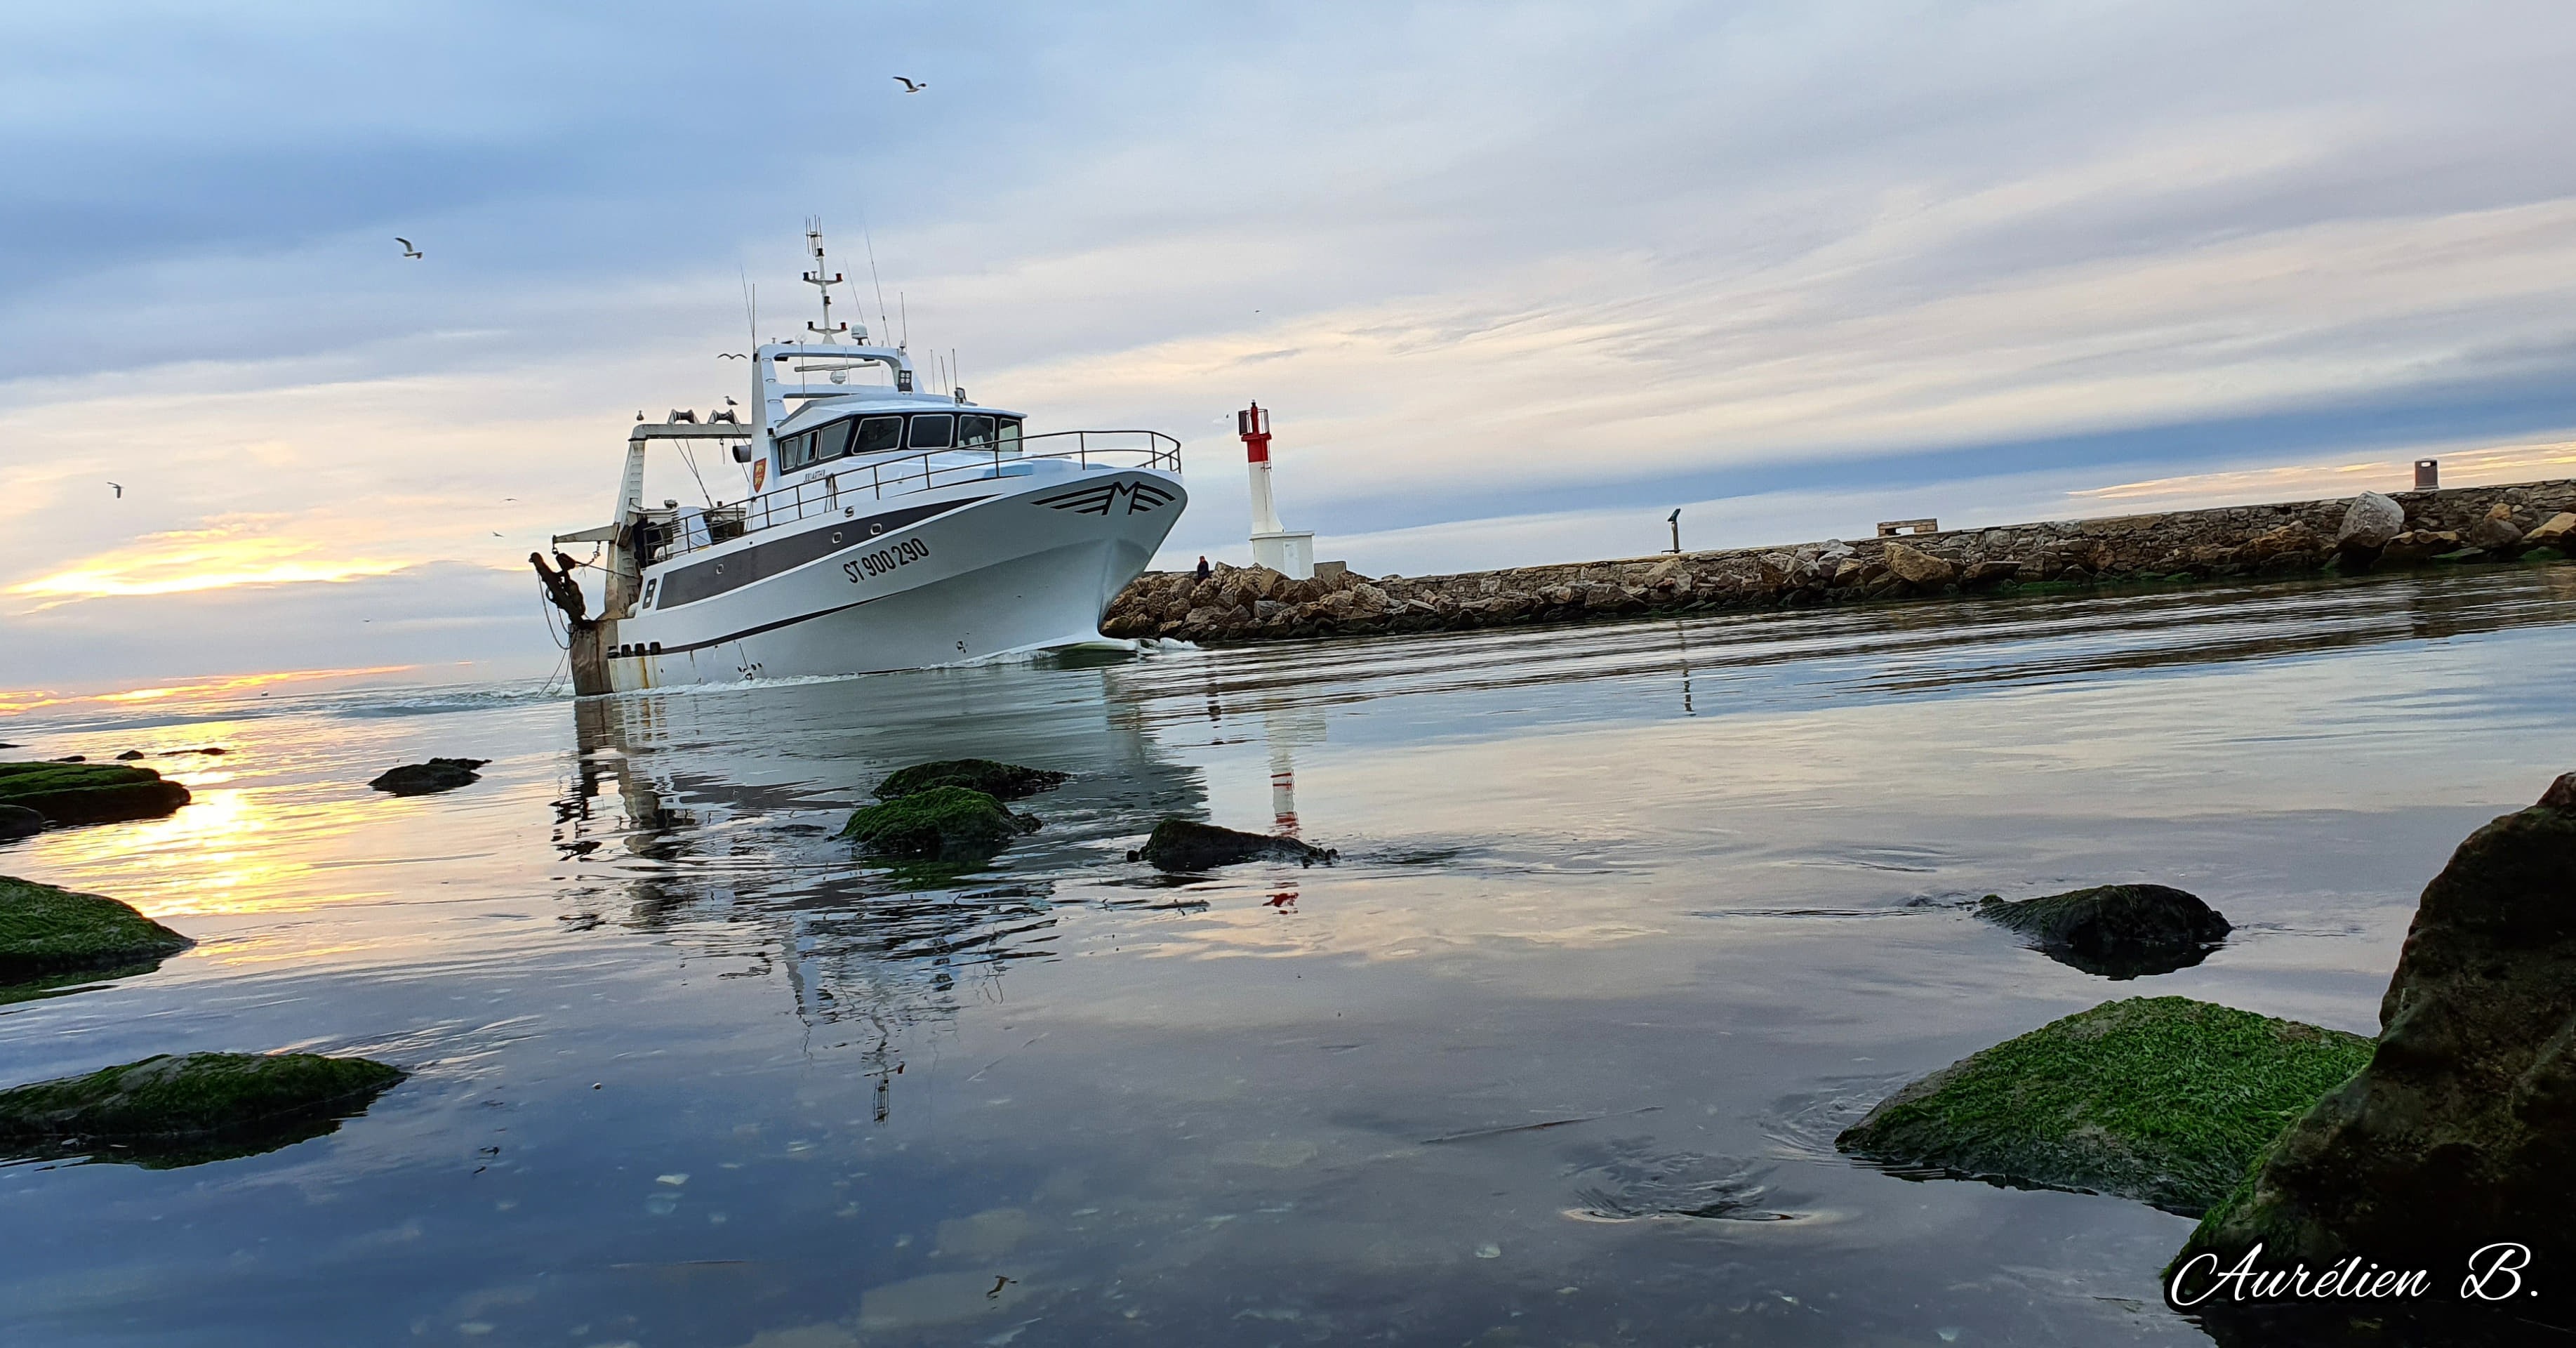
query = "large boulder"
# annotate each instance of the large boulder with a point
(2461, 1131)
(942, 823)
(1914, 566)
(166, 1111)
(2557, 531)
(2368, 523)
(1188, 845)
(44, 930)
(2416, 546)
(2161, 1099)
(2497, 532)
(421, 779)
(89, 793)
(2119, 931)
(17, 821)
(1001, 781)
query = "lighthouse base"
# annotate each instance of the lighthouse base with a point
(1290, 554)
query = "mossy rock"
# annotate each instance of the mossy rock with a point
(945, 823)
(2161, 1099)
(1001, 781)
(47, 931)
(1188, 845)
(17, 821)
(89, 793)
(2117, 931)
(2544, 555)
(170, 1111)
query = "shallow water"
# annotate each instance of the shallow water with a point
(1629, 922)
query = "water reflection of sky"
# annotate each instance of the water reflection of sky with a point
(1685, 891)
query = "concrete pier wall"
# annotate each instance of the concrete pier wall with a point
(2531, 521)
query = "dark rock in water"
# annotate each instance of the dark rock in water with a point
(44, 930)
(438, 774)
(129, 756)
(89, 793)
(166, 1111)
(1187, 845)
(2118, 931)
(2461, 1131)
(2162, 1099)
(945, 823)
(176, 753)
(72, 758)
(17, 821)
(1001, 781)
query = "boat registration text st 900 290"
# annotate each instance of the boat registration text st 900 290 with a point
(884, 560)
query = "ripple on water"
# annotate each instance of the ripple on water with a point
(1628, 1180)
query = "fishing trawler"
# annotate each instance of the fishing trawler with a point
(885, 528)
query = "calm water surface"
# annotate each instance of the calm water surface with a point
(689, 1073)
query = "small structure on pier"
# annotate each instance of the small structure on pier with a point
(2428, 474)
(1289, 552)
(1891, 528)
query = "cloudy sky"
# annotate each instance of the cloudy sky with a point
(1517, 279)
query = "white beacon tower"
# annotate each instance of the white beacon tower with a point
(1291, 553)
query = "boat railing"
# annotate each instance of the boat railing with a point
(845, 489)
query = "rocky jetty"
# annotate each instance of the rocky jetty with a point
(2531, 522)
(1001, 781)
(2461, 1131)
(940, 823)
(1188, 845)
(2161, 1099)
(89, 793)
(422, 779)
(44, 930)
(2118, 931)
(169, 1111)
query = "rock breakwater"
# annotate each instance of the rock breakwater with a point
(2525, 521)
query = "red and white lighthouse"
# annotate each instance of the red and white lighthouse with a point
(1288, 552)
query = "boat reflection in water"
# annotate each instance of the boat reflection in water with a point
(718, 815)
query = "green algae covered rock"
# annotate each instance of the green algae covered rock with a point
(170, 1111)
(2161, 1099)
(1001, 781)
(89, 793)
(945, 823)
(2461, 1131)
(47, 931)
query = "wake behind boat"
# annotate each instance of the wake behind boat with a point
(887, 529)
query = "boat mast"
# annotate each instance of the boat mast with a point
(823, 282)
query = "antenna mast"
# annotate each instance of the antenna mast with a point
(822, 279)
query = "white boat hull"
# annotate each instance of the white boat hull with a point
(972, 571)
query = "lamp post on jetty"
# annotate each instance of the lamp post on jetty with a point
(1291, 553)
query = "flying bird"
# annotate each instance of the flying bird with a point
(120, 489)
(408, 250)
(911, 86)
(731, 355)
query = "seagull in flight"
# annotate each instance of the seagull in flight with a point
(911, 86)
(408, 250)
(120, 489)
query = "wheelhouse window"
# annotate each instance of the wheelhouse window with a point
(879, 435)
(936, 431)
(1006, 433)
(794, 452)
(974, 431)
(833, 441)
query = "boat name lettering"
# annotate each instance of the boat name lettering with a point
(884, 560)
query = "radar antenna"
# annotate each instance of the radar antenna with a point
(823, 279)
